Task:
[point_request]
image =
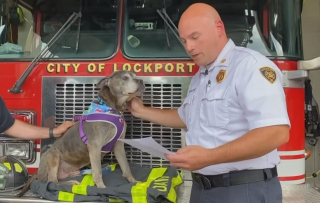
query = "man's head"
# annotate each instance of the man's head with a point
(202, 32)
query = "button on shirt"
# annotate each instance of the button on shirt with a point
(241, 91)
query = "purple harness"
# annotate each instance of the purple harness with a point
(114, 119)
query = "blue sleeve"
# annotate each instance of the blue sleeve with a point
(6, 120)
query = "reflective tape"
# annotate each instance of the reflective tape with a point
(172, 195)
(66, 196)
(139, 191)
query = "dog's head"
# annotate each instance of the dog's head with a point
(118, 88)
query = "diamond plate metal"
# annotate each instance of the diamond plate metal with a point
(300, 194)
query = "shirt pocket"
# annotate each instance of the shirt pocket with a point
(216, 108)
(187, 108)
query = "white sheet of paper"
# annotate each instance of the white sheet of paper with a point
(148, 145)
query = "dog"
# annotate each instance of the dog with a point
(70, 153)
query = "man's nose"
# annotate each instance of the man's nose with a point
(189, 46)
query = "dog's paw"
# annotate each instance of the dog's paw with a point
(131, 179)
(101, 185)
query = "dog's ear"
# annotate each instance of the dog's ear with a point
(103, 82)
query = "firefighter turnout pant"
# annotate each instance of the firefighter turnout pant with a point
(156, 185)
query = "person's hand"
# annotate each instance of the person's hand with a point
(190, 158)
(135, 106)
(58, 131)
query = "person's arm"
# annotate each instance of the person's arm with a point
(264, 108)
(26, 131)
(253, 144)
(264, 104)
(164, 117)
(22, 130)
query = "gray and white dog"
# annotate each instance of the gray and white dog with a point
(68, 154)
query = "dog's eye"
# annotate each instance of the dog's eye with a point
(125, 78)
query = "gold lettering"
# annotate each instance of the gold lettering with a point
(151, 67)
(190, 66)
(115, 67)
(168, 67)
(91, 67)
(100, 67)
(75, 67)
(66, 67)
(147, 68)
(180, 68)
(126, 66)
(58, 68)
(157, 67)
(50, 68)
(135, 69)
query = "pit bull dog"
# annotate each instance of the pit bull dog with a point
(88, 141)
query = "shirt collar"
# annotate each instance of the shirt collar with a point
(222, 59)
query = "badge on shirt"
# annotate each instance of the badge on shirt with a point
(269, 74)
(221, 75)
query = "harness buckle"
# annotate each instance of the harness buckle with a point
(83, 118)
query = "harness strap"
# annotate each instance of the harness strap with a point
(116, 120)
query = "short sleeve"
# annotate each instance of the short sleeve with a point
(6, 120)
(181, 113)
(261, 94)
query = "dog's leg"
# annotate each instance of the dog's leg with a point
(122, 160)
(95, 160)
(69, 182)
(53, 161)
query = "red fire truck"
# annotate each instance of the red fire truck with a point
(53, 52)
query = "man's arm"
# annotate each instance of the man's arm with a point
(164, 117)
(168, 118)
(262, 98)
(26, 131)
(22, 130)
(253, 144)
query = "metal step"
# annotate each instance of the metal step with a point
(291, 194)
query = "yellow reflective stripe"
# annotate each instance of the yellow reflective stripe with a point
(116, 200)
(139, 191)
(172, 195)
(113, 167)
(79, 189)
(17, 167)
(177, 180)
(65, 196)
(87, 180)
(8, 165)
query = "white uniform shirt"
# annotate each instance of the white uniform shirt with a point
(245, 99)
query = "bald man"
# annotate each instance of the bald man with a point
(234, 114)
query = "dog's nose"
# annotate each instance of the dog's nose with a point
(140, 81)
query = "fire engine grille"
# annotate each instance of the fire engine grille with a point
(73, 99)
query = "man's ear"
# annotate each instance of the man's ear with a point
(103, 82)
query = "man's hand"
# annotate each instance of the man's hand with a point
(26, 131)
(164, 117)
(135, 106)
(61, 129)
(190, 158)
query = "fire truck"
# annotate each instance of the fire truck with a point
(53, 52)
